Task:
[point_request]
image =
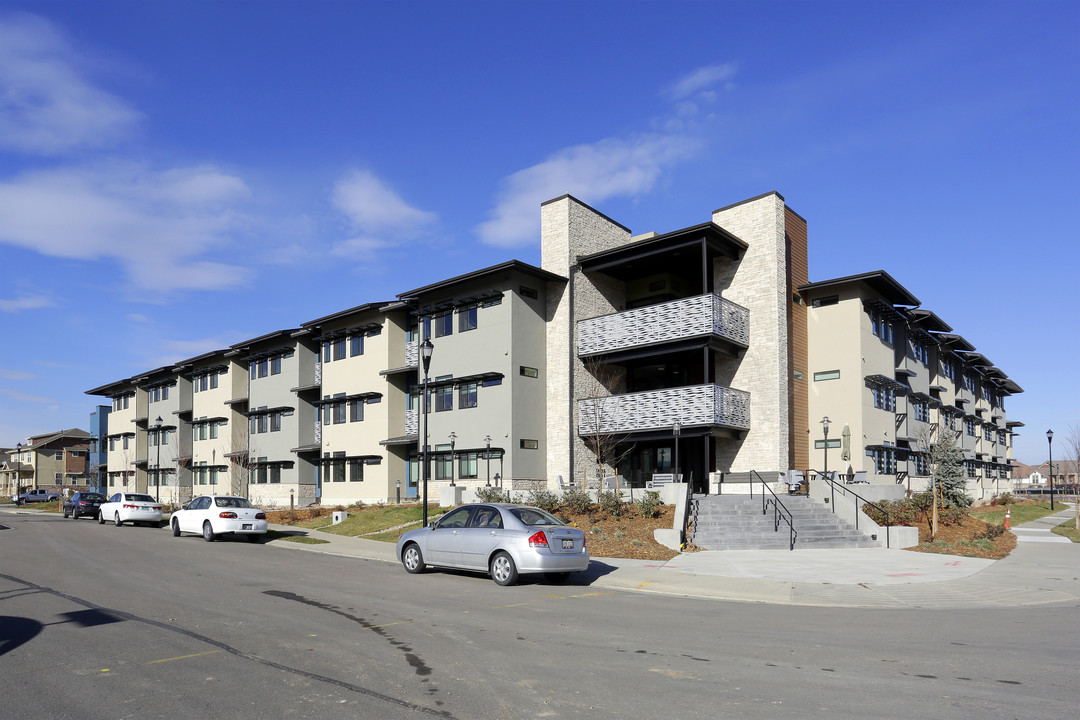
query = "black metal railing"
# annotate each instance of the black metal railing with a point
(780, 512)
(833, 485)
(686, 509)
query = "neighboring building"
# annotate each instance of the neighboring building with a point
(53, 461)
(703, 351)
(98, 470)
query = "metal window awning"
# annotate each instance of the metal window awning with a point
(884, 381)
(347, 398)
(401, 440)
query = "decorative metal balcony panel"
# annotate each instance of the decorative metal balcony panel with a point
(412, 353)
(318, 371)
(318, 432)
(710, 405)
(412, 422)
(676, 320)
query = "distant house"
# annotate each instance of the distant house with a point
(56, 460)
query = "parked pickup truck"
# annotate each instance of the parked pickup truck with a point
(38, 495)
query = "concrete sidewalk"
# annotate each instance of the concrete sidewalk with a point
(1044, 569)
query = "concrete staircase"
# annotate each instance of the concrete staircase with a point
(735, 522)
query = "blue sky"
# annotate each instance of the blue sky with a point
(176, 177)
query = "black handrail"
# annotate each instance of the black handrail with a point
(779, 510)
(686, 508)
(858, 508)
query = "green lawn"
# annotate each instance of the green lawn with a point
(376, 519)
(995, 514)
(1068, 529)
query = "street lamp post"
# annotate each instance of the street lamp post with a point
(18, 471)
(426, 348)
(825, 427)
(453, 442)
(676, 431)
(157, 467)
(1050, 444)
(487, 454)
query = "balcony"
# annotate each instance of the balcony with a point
(703, 316)
(695, 405)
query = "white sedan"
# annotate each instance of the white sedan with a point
(130, 507)
(213, 515)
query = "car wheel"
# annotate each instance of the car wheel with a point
(116, 520)
(100, 519)
(65, 514)
(254, 538)
(556, 577)
(208, 532)
(503, 570)
(175, 528)
(413, 559)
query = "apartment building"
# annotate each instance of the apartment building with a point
(703, 352)
(893, 377)
(97, 471)
(53, 461)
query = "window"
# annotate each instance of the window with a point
(264, 366)
(467, 395)
(356, 471)
(833, 443)
(969, 427)
(527, 292)
(356, 345)
(338, 409)
(969, 466)
(827, 375)
(529, 372)
(881, 326)
(275, 365)
(444, 324)
(467, 319)
(884, 460)
(444, 463)
(339, 349)
(922, 464)
(885, 399)
(467, 465)
(213, 476)
(356, 410)
(127, 401)
(948, 369)
(275, 474)
(827, 300)
(529, 444)
(987, 433)
(492, 383)
(444, 398)
(125, 442)
(920, 352)
(275, 421)
(921, 410)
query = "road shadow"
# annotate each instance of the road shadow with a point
(16, 631)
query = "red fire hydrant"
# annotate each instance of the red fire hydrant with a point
(1007, 511)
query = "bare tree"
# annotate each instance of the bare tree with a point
(1072, 446)
(605, 441)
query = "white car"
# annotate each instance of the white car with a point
(213, 515)
(130, 507)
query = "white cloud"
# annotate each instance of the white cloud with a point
(361, 248)
(137, 318)
(371, 205)
(698, 82)
(154, 224)
(15, 375)
(46, 105)
(25, 302)
(23, 397)
(596, 172)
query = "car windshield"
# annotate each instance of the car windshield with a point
(140, 498)
(92, 497)
(535, 516)
(232, 502)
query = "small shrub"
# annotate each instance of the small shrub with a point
(492, 495)
(620, 534)
(577, 500)
(1005, 499)
(610, 502)
(543, 499)
(637, 543)
(991, 532)
(595, 530)
(649, 506)
(952, 515)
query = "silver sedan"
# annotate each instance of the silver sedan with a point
(499, 539)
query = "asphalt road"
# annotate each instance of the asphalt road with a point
(105, 622)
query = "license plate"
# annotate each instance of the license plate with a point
(567, 544)
(246, 526)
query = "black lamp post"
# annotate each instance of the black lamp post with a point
(1050, 444)
(426, 348)
(487, 454)
(18, 470)
(825, 426)
(676, 431)
(157, 467)
(453, 442)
